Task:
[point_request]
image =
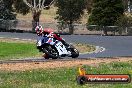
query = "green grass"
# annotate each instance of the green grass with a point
(62, 77)
(17, 50)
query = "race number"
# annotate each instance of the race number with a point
(59, 44)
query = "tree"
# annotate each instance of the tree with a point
(6, 11)
(89, 5)
(12, 6)
(21, 7)
(124, 22)
(127, 5)
(106, 13)
(70, 11)
(35, 6)
(8, 7)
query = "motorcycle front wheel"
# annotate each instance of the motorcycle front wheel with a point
(51, 52)
(74, 52)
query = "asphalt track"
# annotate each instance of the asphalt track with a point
(107, 46)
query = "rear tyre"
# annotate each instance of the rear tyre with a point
(51, 52)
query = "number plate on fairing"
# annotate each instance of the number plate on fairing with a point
(59, 44)
(61, 48)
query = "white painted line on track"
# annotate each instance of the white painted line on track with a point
(27, 39)
(99, 49)
(1, 37)
(102, 49)
(16, 38)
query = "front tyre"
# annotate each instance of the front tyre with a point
(74, 52)
(51, 52)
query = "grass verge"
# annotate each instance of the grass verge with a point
(15, 49)
(84, 48)
(62, 77)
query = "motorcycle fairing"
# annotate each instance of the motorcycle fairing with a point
(58, 45)
(61, 48)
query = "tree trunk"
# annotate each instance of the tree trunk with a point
(71, 28)
(35, 21)
(105, 30)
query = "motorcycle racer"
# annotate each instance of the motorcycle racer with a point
(49, 32)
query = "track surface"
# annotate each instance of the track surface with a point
(115, 46)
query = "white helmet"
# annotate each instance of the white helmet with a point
(39, 29)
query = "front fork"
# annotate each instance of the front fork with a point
(39, 48)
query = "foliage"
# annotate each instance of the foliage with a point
(46, 2)
(21, 7)
(36, 7)
(9, 7)
(89, 5)
(70, 11)
(6, 10)
(125, 2)
(124, 21)
(106, 12)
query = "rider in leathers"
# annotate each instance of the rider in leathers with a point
(49, 33)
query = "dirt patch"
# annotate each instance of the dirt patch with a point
(59, 64)
(84, 48)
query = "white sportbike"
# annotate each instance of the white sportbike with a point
(55, 49)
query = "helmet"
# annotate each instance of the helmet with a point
(39, 29)
(48, 30)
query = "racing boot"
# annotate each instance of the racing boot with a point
(45, 56)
